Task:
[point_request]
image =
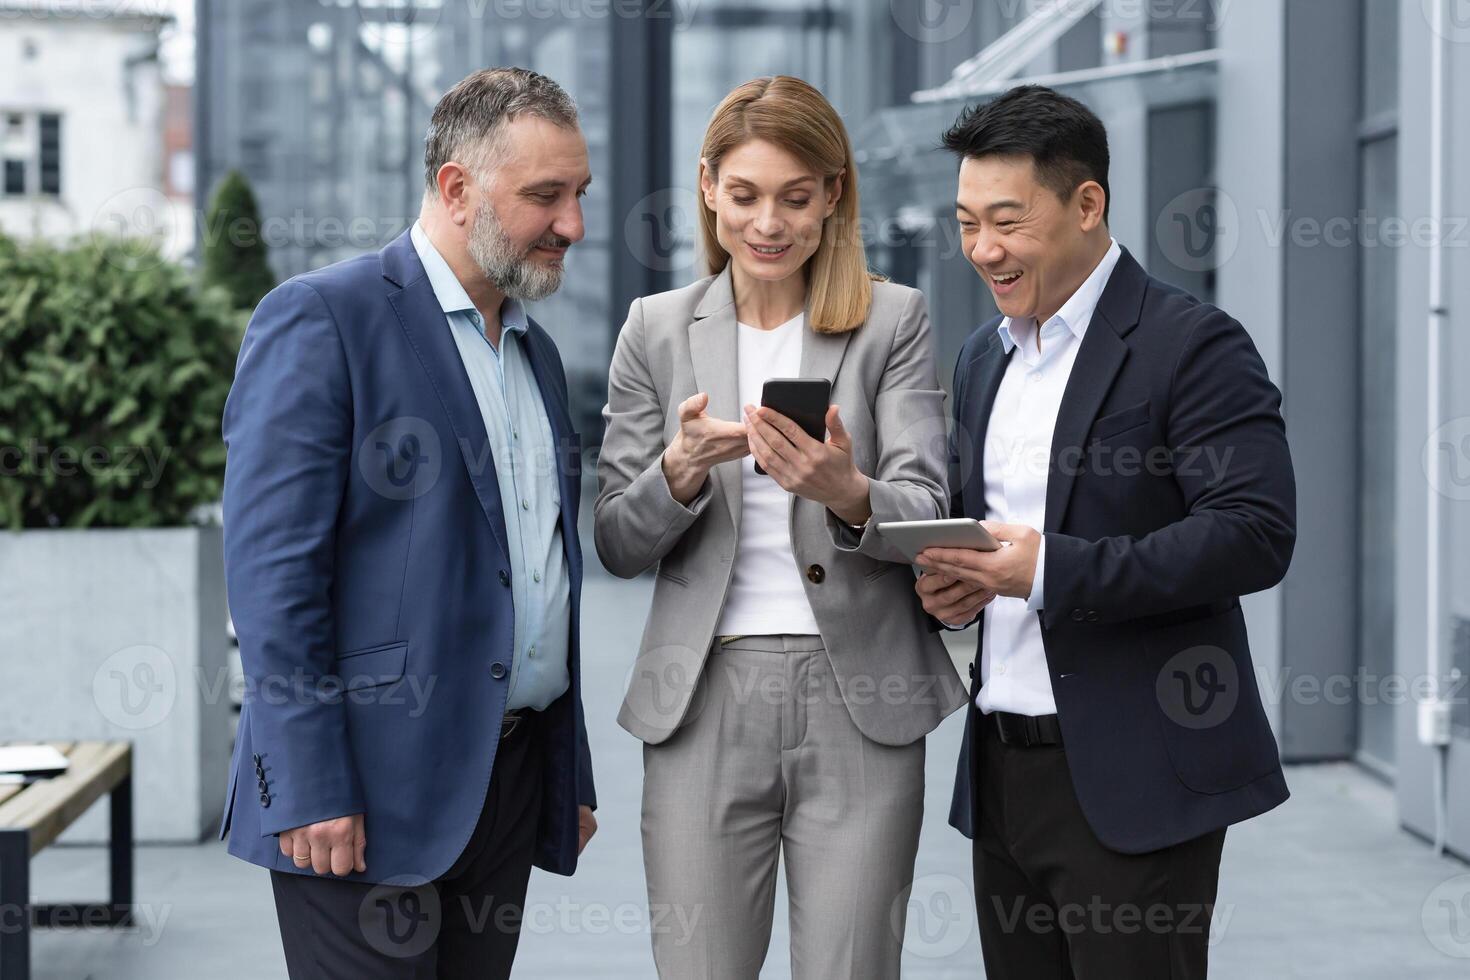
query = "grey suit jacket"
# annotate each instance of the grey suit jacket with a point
(896, 677)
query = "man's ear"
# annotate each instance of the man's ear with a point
(454, 192)
(1092, 201)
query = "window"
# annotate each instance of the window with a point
(30, 146)
(50, 154)
(15, 177)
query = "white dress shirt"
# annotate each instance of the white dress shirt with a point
(766, 592)
(1013, 672)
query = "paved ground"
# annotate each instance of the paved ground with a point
(1325, 886)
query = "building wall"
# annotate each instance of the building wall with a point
(1420, 433)
(1250, 281)
(111, 128)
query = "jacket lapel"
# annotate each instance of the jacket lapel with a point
(986, 372)
(427, 330)
(712, 348)
(1099, 359)
(568, 459)
(821, 353)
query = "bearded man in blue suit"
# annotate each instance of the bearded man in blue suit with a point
(403, 567)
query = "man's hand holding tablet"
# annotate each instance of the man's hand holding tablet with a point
(966, 567)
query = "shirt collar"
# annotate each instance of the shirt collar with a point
(1076, 312)
(451, 294)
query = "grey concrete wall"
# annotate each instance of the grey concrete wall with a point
(1287, 166)
(1250, 282)
(120, 634)
(1319, 255)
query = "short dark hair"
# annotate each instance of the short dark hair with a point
(1065, 140)
(469, 119)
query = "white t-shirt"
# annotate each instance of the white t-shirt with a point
(766, 591)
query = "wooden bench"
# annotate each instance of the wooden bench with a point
(33, 816)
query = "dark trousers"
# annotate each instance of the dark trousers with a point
(464, 924)
(1053, 902)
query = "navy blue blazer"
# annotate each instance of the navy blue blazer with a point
(369, 581)
(1170, 494)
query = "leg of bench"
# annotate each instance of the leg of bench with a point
(15, 916)
(118, 909)
(120, 851)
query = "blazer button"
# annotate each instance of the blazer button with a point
(972, 670)
(256, 758)
(816, 573)
(262, 784)
(265, 799)
(1078, 615)
(504, 577)
(497, 670)
(1092, 615)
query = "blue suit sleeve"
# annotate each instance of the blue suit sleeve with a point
(288, 428)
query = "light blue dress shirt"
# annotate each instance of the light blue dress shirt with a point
(525, 470)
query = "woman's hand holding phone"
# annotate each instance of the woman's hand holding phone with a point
(701, 443)
(807, 467)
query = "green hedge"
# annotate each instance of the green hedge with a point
(114, 368)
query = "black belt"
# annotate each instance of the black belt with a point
(1026, 731)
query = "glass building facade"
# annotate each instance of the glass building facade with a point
(323, 105)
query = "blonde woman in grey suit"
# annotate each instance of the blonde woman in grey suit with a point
(787, 674)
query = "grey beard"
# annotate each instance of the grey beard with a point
(513, 273)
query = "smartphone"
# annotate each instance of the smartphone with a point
(802, 400)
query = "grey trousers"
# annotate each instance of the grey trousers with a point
(768, 763)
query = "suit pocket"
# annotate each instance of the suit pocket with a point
(674, 577)
(887, 568)
(1211, 718)
(1120, 422)
(372, 666)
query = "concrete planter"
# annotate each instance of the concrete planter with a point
(114, 633)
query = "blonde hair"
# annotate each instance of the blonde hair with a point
(794, 116)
